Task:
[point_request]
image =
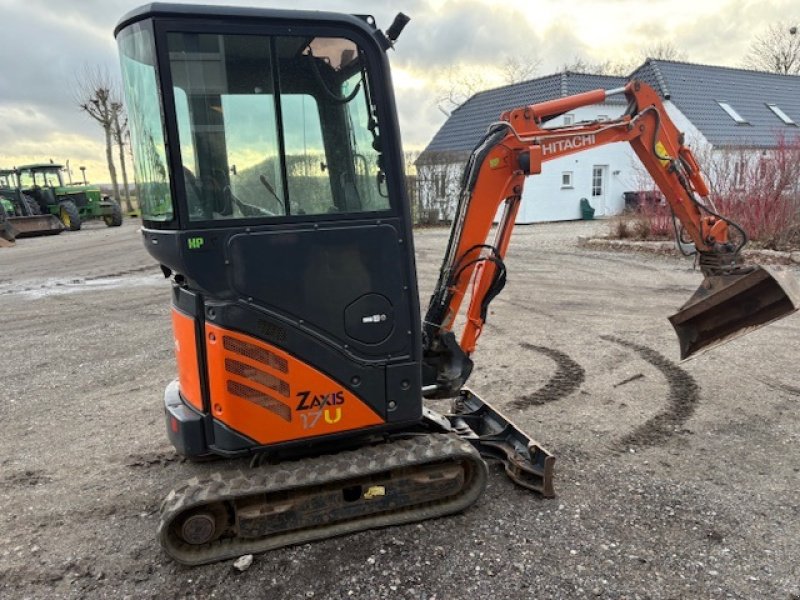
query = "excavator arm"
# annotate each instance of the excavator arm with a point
(733, 298)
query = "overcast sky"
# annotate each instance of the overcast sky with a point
(44, 45)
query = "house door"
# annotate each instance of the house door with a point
(599, 188)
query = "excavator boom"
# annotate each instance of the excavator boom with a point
(733, 299)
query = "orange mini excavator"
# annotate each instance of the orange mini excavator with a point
(270, 177)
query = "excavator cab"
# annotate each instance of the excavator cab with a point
(269, 165)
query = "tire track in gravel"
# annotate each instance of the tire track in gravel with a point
(776, 385)
(568, 377)
(682, 399)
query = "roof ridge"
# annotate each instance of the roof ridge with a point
(511, 85)
(721, 67)
(659, 77)
(561, 75)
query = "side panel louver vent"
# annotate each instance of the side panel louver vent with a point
(262, 399)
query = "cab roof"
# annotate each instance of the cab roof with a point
(203, 11)
(40, 167)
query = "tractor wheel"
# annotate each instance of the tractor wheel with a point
(69, 215)
(115, 218)
(31, 205)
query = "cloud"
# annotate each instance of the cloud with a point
(467, 31)
(46, 44)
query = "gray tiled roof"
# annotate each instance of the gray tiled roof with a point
(697, 89)
(468, 122)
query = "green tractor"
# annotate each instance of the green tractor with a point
(72, 204)
(20, 215)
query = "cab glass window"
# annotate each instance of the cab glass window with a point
(137, 57)
(275, 126)
(26, 179)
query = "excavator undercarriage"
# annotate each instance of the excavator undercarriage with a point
(249, 511)
(434, 470)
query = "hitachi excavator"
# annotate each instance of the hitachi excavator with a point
(270, 176)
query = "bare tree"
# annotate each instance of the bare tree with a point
(121, 135)
(459, 84)
(777, 49)
(518, 69)
(95, 96)
(623, 68)
(463, 81)
(663, 51)
(606, 67)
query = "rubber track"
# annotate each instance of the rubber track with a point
(314, 471)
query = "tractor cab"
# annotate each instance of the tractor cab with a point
(8, 180)
(40, 181)
(8, 192)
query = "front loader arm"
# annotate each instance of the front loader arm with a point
(514, 148)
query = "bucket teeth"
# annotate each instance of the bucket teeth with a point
(727, 306)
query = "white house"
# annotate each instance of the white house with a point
(554, 195)
(601, 175)
(733, 119)
(718, 108)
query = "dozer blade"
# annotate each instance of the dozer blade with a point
(496, 437)
(7, 233)
(36, 225)
(727, 306)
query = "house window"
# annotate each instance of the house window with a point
(597, 182)
(566, 179)
(732, 113)
(569, 119)
(439, 183)
(739, 169)
(780, 114)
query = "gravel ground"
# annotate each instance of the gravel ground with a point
(673, 480)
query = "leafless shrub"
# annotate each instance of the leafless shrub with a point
(619, 227)
(763, 195)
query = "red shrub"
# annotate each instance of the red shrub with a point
(762, 195)
(656, 218)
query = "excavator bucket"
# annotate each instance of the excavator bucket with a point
(727, 306)
(36, 225)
